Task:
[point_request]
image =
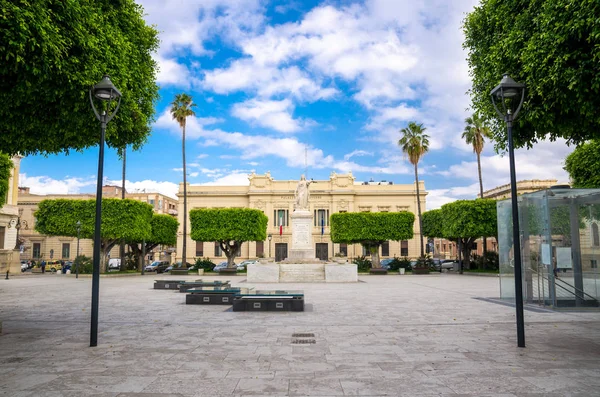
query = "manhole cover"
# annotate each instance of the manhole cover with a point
(303, 335)
(303, 341)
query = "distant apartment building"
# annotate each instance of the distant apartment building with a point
(340, 193)
(36, 246)
(9, 217)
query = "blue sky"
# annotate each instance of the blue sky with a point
(328, 83)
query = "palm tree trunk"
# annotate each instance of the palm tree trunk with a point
(419, 211)
(122, 249)
(184, 244)
(481, 196)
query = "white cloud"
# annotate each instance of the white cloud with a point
(271, 114)
(202, 156)
(45, 185)
(149, 186)
(357, 153)
(438, 197)
(236, 178)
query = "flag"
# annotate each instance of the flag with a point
(280, 225)
(322, 226)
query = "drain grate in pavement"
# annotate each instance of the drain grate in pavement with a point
(303, 335)
(303, 341)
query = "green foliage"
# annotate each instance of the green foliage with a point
(553, 46)
(52, 52)
(5, 169)
(86, 266)
(469, 219)
(489, 261)
(433, 221)
(164, 230)
(121, 219)
(366, 227)
(400, 263)
(204, 263)
(414, 142)
(227, 224)
(364, 264)
(583, 165)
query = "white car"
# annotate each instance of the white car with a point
(114, 263)
(24, 267)
(244, 264)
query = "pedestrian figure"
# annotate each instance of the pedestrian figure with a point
(43, 266)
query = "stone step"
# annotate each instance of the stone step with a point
(289, 273)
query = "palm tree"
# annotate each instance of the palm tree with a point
(475, 133)
(181, 108)
(414, 144)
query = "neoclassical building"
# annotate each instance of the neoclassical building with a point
(341, 193)
(9, 254)
(36, 246)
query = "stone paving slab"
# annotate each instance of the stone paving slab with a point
(385, 336)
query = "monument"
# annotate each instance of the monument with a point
(302, 265)
(302, 250)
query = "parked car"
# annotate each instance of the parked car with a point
(385, 263)
(24, 267)
(243, 264)
(177, 265)
(449, 264)
(157, 266)
(220, 266)
(53, 266)
(67, 266)
(114, 263)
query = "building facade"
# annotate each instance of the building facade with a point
(9, 216)
(36, 246)
(341, 193)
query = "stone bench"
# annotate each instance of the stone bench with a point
(179, 272)
(167, 284)
(268, 303)
(200, 297)
(185, 286)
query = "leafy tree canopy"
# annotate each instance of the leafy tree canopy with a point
(469, 219)
(52, 52)
(361, 227)
(5, 168)
(553, 46)
(164, 229)
(433, 223)
(240, 224)
(121, 219)
(583, 165)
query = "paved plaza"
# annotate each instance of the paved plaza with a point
(384, 336)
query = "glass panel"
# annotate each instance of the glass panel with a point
(385, 249)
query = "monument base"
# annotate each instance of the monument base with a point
(302, 273)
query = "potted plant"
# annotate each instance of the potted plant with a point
(422, 266)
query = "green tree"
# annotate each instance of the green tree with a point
(230, 227)
(553, 47)
(475, 133)
(163, 232)
(433, 222)
(6, 165)
(181, 109)
(121, 219)
(583, 165)
(371, 229)
(52, 52)
(467, 220)
(414, 144)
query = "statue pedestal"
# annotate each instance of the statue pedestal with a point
(302, 243)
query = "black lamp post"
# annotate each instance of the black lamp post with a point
(270, 237)
(511, 94)
(78, 226)
(106, 92)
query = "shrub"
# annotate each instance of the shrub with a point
(204, 263)
(400, 263)
(364, 264)
(489, 261)
(85, 263)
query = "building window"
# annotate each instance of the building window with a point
(160, 204)
(474, 247)
(344, 249)
(151, 201)
(365, 251)
(595, 237)
(321, 218)
(2, 236)
(260, 249)
(218, 251)
(404, 248)
(385, 249)
(593, 263)
(199, 249)
(281, 217)
(66, 250)
(37, 250)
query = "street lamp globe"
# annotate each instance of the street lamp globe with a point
(508, 90)
(105, 90)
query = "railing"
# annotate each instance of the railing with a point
(555, 289)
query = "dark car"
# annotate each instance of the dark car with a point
(177, 265)
(67, 266)
(157, 266)
(385, 263)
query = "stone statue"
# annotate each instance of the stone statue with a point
(302, 194)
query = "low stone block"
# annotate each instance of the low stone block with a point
(259, 273)
(346, 273)
(378, 271)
